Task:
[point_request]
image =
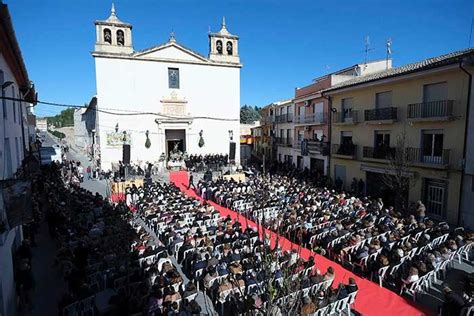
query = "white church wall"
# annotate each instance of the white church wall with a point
(140, 85)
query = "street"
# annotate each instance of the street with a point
(99, 186)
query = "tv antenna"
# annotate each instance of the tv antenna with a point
(367, 48)
(470, 33)
(388, 46)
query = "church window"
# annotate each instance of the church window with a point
(120, 38)
(219, 47)
(229, 48)
(107, 36)
(173, 78)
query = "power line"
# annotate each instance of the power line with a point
(127, 112)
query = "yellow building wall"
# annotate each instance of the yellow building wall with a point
(404, 92)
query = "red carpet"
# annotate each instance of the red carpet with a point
(371, 299)
(117, 197)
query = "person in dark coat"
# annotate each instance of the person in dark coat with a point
(453, 302)
(191, 181)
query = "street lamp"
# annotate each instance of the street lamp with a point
(231, 134)
(6, 84)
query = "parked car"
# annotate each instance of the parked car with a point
(50, 154)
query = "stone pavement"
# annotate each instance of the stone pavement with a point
(49, 284)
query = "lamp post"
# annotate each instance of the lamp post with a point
(93, 151)
(231, 137)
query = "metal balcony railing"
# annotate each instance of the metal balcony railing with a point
(319, 118)
(418, 155)
(341, 117)
(344, 150)
(378, 152)
(284, 118)
(433, 109)
(381, 114)
(268, 120)
(285, 141)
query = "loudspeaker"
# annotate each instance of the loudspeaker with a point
(126, 154)
(232, 151)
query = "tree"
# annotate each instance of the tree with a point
(249, 114)
(398, 174)
(65, 118)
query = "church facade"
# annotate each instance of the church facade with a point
(166, 98)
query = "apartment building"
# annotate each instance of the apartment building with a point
(283, 130)
(418, 110)
(311, 126)
(311, 119)
(262, 148)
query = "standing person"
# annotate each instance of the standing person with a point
(453, 302)
(191, 181)
(89, 172)
(80, 173)
(420, 211)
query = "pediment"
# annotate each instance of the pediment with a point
(172, 51)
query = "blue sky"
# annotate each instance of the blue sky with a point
(283, 44)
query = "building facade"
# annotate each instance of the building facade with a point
(283, 130)
(42, 124)
(79, 129)
(311, 127)
(263, 144)
(312, 113)
(14, 146)
(417, 110)
(467, 201)
(166, 98)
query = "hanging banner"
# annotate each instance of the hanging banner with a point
(116, 139)
(17, 201)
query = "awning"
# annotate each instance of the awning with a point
(17, 201)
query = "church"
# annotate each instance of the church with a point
(164, 99)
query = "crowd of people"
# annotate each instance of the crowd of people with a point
(208, 161)
(127, 259)
(237, 269)
(373, 239)
(111, 264)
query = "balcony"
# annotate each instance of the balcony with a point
(312, 119)
(340, 118)
(381, 116)
(345, 151)
(284, 141)
(313, 146)
(267, 120)
(284, 118)
(431, 111)
(438, 159)
(380, 153)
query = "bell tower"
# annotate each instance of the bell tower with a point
(224, 46)
(113, 36)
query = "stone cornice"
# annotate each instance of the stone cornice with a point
(119, 24)
(177, 61)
